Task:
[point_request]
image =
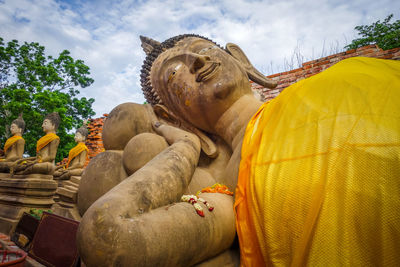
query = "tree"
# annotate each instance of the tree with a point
(386, 35)
(36, 84)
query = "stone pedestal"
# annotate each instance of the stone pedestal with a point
(20, 193)
(66, 198)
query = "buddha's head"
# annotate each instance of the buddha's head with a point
(196, 79)
(18, 126)
(51, 122)
(81, 134)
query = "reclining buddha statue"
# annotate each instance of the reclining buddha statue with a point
(315, 170)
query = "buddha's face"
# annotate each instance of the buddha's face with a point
(79, 137)
(48, 126)
(14, 129)
(199, 81)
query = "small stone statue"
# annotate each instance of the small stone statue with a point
(46, 150)
(14, 146)
(76, 158)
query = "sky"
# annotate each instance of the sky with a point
(105, 34)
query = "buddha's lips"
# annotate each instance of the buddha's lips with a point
(208, 72)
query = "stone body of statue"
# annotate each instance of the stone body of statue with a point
(46, 150)
(76, 158)
(14, 146)
(143, 198)
(325, 145)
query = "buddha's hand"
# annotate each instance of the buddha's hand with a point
(26, 161)
(195, 201)
(59, 167)
(173, 134)
(20, 161)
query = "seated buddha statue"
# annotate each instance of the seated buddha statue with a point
(77, 157)
(46, 150)
(14, 146)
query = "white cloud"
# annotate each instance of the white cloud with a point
(105, 34)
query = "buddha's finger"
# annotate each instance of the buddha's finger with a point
(173, 134)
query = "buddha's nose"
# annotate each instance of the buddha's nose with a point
(198, 63)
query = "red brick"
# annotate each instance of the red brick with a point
(322, 63)
(274, 75)
(367, 47)
(309, 62)
(392, 51)
(316, 70)
(332, 56)
(351, 51)
(295, 70)
(369, 50)
(386, 56)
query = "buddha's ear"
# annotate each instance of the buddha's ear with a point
(253, 74)
(207, 145)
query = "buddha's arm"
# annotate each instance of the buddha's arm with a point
(51, 155)
(79, 161)
(160, 182)
(133, 217)
(19, 151)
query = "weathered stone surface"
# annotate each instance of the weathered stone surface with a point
(69, 183)
(141, 149)
(124, 122)
(103, 173)
(66, 209)
(18, 195)
(68, 193)
(76, 179)
(228, 258)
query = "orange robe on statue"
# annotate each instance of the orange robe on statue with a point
(75, 151)
(10, 141)
(319, 178)
(45, 140)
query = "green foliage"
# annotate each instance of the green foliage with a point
(37, 213)
(386, 35)
(36, 84)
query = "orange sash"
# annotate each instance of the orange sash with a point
(78, 149)
(10, 141)
(45, 140)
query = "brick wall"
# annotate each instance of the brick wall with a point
(313, 67)
(94, 141)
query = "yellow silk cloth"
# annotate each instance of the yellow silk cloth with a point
(45, 140)
(319, 179)
(10, 141)
(75, 151)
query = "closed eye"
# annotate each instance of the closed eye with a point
(171, 75)
(207, 48)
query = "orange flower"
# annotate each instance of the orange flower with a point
(217, 188)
